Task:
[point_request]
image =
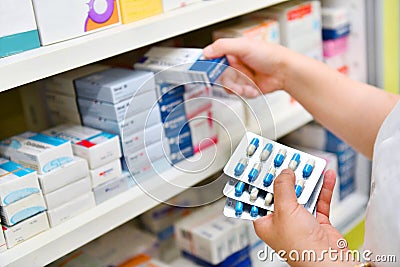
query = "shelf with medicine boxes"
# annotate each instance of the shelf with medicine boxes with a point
(64, 238)
(49, 60)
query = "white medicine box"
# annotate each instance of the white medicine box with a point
(65, 19)
(18, 30)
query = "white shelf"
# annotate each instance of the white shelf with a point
(53, 59)
(58, 241)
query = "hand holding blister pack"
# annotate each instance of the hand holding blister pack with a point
(252, 169)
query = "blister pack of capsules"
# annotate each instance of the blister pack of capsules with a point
(252, 169)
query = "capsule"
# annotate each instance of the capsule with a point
(268, 199)
(253, 194)
(298, 188)
(280, 157)
(254, 211)
(266, 152)
(252, 147)
(255, 171)
(242, 164)
(308, 168)
(238, 209)
(269, 212)
(294, 162)
(239, 188)
(269, 177)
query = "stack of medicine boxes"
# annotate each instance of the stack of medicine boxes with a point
(22, 204)
(60, 94)
(43, 153)
(123, 102)
(101, 150)
(184, 81)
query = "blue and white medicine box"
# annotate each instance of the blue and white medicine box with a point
(37, 151)
(97, 147)
(181, 65)
(111, 188)
(18, 30)
(16, 182)
(114, 85)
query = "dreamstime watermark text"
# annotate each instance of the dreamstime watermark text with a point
(340, 254)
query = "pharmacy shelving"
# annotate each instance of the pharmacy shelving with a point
(60, 240)
(53, 59)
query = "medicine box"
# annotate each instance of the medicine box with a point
(66, 174)
(37, 151)
(334, 17)
(16, 182)
(142, 138)
(97, 147)
(3, 245)
(260, 29)
(70, 209)
(142, 157)
(106, 172)
(26, 229)
(133, 10)
(18, 31)
(300, 25)
(63, 83)
(169, 5)
(114, 85)
(119, 111)
(111, 188)
(67, 193)
(65, 19)
(203, 131)
(22, 209)
(181, 65)
(128, 126)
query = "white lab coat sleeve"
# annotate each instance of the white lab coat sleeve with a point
(382, 229)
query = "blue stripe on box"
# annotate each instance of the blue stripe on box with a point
(12, 167)
(333, 34)
(50, 140)
(20, 42)
(213, 67)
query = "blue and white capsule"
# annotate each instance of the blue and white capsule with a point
(255, 171)
(298, 188)
(308, 168)
(294, 162)
(268, 199)
(252, 147)
(269, 212)
(280, 157)
(239, 209)
(239, 189)
(241, 166)
(266, 152)
(254, 193)
(254, 211)
(269, 177)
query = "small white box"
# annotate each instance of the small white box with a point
(197, 99)
(145, 137)
(203, 131)
(37, 151)
(65, 103)
(71, 209)
(24, 230)
(128, 126)
(63, 83)
(65, 19)
(181, 65)
(334, 17)
(3, 245)
(97, 147)
(115, 85)
(68, 192)
(151, 153)
(16, 182)
(66, 174)
(111, 188)
(106, 172)
(118, 111)
(266, 30)
(22, 209)
(169, 5)
(18, 31)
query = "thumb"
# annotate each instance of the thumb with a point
(285, 199)
(226, 46)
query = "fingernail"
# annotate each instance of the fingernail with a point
(208, 50)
